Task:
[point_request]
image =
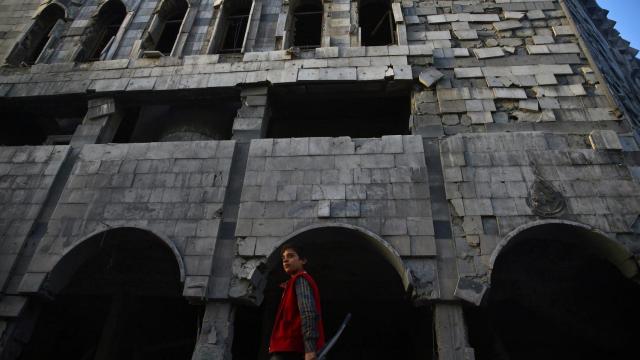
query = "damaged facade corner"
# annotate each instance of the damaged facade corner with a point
(437, 160)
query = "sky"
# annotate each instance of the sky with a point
(625, 14)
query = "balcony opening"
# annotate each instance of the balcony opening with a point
(333, 110)
(119, 298)
(178, 120)
(306, 26)
(376, 23)
(45, 124)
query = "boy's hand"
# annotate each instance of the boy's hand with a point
(310, 356)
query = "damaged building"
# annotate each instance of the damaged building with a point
(464, 175)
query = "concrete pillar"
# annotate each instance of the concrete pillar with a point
(100, 123)
(216, 334)
(451, 333)
(251, 121)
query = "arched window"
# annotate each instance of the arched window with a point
(35, 41)
(236, 20)
(376, 23)
(105, 27)
(306, 24)
(165, 27)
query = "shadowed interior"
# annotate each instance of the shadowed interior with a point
(353, 277)
(123, 302)
(554, 297)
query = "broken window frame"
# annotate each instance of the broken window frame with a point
(229, 9)
(168, 12)
(397, 27)
(28, 52)
(238, 24)
(105, 32)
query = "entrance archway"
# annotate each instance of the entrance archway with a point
(116, 295)
(355, 275)
(558, 291)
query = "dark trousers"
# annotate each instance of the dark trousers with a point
(287, 356)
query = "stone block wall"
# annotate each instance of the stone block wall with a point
(379, 185)
(498, 182)
(26, 176)
(175, 190)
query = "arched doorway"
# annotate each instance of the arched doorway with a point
(355, 274)
(116, 295)
(558, 291)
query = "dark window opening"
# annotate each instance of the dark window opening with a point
(48, 125)
(352, 278)
(165, 29)
(235, 30)
(307, 26)
(376, 23)
(106, 27)
(554, 296)
(123, 302)
(337, 111)
(169, 36)
(35, 41)
(178, 121)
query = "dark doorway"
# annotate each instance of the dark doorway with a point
(122, 302)
(338, 110)
(556, 296)
(376, 22)
(306, 27)
(353, 277)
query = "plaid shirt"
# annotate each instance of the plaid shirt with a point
(308, 314)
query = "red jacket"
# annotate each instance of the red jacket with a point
(287, 329)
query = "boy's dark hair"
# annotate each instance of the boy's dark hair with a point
(295, 247)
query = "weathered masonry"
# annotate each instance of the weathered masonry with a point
(464, 174)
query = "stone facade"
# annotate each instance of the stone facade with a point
(523, 115)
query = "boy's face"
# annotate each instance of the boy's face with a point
(291, 262)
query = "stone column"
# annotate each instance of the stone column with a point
(216, 336)
(451, 333)
(251, 122)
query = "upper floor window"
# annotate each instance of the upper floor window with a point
(236, 21)
(306, 25)
(38, 36)
(104, 30)
(376, 22)
(165, 27)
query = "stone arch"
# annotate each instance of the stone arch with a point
(116, 294)
(73, 257)
(46, 4)
(557, 288)
(381, 245)
(357, 272)
(100, 36)
(599, 242)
